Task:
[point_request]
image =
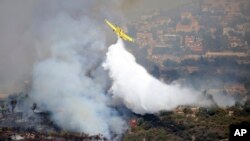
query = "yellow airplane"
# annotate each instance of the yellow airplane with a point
(119, 31)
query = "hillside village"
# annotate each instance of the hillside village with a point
(201, 39)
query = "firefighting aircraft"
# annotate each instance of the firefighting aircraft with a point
(119, 32)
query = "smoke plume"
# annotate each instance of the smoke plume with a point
(139, 91)
(62, 85)
(20, 21)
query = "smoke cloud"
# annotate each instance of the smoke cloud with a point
(139, 91)
(61, 84)
(16, 55)
(20, 21)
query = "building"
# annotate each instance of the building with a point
(190, 27)
(225, 54)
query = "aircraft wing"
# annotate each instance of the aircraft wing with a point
(110, 25)
(127, 37)
(119, 31)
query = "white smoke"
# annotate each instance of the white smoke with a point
(141, 92)
(61, 84)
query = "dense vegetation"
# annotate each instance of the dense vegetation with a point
(205, 124)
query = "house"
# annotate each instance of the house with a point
(192, 26)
